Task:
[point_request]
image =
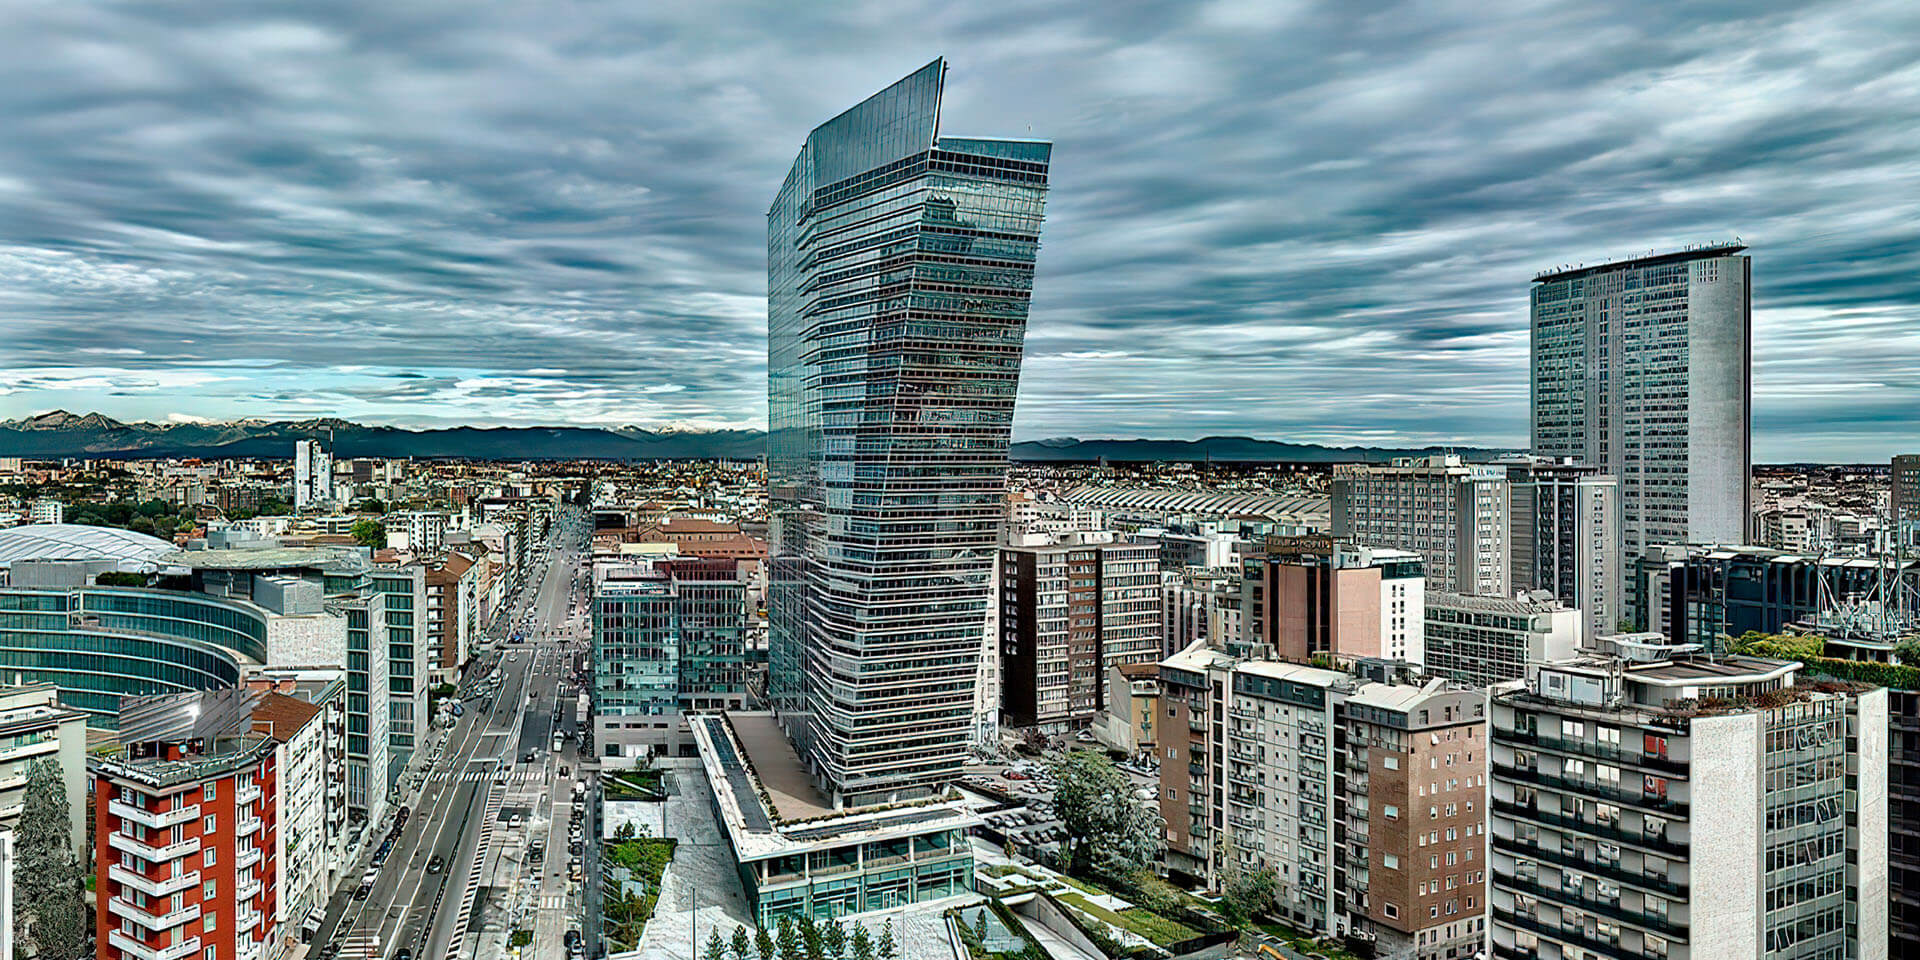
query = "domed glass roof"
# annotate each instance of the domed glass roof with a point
(69, 541)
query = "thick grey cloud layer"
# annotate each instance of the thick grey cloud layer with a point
(1306, 221)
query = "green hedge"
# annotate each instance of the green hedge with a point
(1809, 652)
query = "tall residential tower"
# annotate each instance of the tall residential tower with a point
(899, 268)
(1643, 368)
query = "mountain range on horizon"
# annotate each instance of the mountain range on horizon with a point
(59, 433)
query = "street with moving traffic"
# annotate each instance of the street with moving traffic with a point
(477, 783)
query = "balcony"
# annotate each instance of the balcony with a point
(247, 858)
(134, 948)
(1562, 934)
(151, 887)
(1666, 847)
(150, 819)
(172, 851)
(1659, 923)
(247, 890)
(1591, 789)
(1613, 753)
(250, 825)
(28, 750)
(166, 921)
(1599, 868)
(247, 919)
(246, 794)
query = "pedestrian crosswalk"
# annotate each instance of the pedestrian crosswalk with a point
(517, 775)
(553, 901)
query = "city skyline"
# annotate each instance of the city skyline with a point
(223, 217)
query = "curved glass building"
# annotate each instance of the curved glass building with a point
(98, 644)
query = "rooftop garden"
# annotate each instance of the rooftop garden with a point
(634, 785)
(625, 912)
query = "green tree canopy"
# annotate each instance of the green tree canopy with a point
(369, 533)
(790, 947)
(1106, 827)
(50, 913)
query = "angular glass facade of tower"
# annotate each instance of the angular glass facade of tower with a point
(899, 269)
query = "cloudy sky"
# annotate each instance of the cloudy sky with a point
(1312, 222)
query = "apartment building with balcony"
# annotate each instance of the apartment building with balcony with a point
(186, 854)
(1650, 801)
(1362, 796)
(1411, 817)
(34, 727)
(1071, 606)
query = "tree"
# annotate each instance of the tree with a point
(790, 947)
(716, 947)
(1103, 820)
(833, 938)
(626, 831)
(51, 914)
(1780, 647)
(369, 533)
(1249, 893)
(811, 939)
(1908, 651)
(888, 948)
(980, 926)
(742, 946)
(763, 944)
(862, 942)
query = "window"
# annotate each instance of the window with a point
(1390, 861)
(209, 793)
(208, 825)
(1392, 812)
(1390, 762)
(1392, 912)
(207, 890)
(206, 857)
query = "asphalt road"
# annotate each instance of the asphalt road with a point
(409, 906)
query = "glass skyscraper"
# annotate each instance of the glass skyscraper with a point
(899, 269)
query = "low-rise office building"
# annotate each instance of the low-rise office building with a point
(669, 639)
(797, 855)
(1481, 641)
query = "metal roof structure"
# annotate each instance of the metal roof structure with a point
(1203, 503)
(72, 541)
